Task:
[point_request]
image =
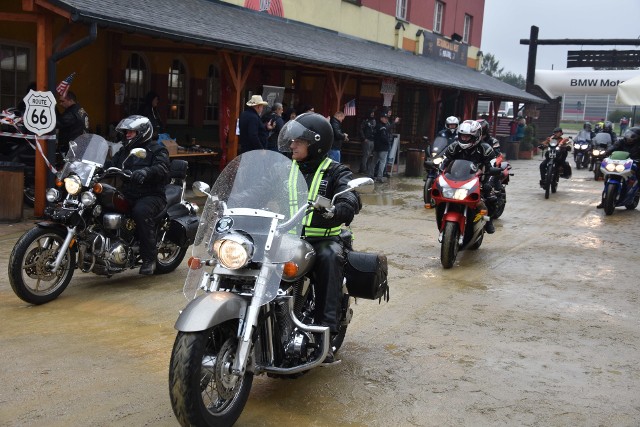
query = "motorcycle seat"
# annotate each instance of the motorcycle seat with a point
(173, 192)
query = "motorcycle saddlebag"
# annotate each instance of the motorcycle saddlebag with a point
(182, 230)
(366, 275)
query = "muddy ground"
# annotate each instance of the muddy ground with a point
(539, 327)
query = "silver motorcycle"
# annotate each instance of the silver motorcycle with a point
(252, 291)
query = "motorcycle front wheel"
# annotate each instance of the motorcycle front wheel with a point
(610, 199)
(30, 263)
(547, 181)
(202, 388)
(449, 247)
(426, 193)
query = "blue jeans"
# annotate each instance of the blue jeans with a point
(381, 157)
(334, 155)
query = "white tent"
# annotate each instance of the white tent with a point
(629, 92)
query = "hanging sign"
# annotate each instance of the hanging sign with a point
(40, 112)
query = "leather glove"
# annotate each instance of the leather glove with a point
(343, 213)
(139, 176)
(328, 213)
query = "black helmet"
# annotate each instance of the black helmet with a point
(598, 128)
(309, 127)
(484, 125)
(631, 135)
(608, 127)
(587, 126)
(557, 130)
(141, 125)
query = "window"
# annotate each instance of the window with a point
(466, 34)
(212, 100)
(401, 9)
(177, 97)
(136, 84)
(15, 74)
(437, 17)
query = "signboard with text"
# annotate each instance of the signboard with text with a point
(40, 112)
(436, 46)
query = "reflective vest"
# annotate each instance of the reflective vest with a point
(309, 231)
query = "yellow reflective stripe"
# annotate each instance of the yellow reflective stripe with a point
(322, 232)
(315, 186)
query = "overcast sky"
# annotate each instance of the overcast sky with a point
(508, 21)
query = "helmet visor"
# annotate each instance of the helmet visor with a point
(292, 131)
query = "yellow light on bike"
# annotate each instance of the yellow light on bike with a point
(290, 269)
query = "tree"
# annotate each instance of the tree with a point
(514, 80)
(490, 66)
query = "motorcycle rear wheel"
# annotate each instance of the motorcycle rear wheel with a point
(202, 389)
(634, 204)
(449, 247)
(29, 265)
(169, 257)
(610, 199)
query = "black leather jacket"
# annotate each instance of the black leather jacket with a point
(71, 124)
(156, 163)
(620, 145)
(481, 154)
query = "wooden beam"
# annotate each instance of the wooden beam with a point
(55, 9)
(238, 78)
(18, 17)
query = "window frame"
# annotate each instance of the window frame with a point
(438, 17)
(143, 86)
(466, 32)
(18, 87)
(181, 91)
(212, 85)
(402, 9)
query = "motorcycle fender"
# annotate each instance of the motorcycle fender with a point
(209, 310)
(454, 217)
(53, 224)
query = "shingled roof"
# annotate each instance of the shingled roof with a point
(226, 26)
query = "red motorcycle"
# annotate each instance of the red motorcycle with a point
(460, 211)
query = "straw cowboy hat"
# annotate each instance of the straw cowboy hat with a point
(256, 100)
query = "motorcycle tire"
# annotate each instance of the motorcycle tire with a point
(631, 206)
(478, 242)
(547, 182)
(449, 247)
(578, 161)
(170, 257)
(28, 268)
(426, 193)
(203, 391)
(29, 196)
(500, 205)
(610, 199)
(338, 339)
(596, 173)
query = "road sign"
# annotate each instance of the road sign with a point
(40, 113)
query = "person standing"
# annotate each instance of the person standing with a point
(149, 109)
(253, 133)
(624, 124)
(277, 122)
(381, 144)
(145, 191)
(368, 134)
(72, 123)
(338, 136)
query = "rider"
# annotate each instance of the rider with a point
(308, 138)
(450, 130)
(561, 158)
(468, 146)
(608, 128)
(630, 142)
(145, 189)
(487, 138)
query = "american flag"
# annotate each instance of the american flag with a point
(350, 108)
(63, 87)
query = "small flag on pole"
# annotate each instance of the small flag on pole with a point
(63, 87)
(350, 108)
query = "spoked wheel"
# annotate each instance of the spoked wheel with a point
(449, 247)
(610, 199)
(203, 390)
(170, 256)
(30, 265)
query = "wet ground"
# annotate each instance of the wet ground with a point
(539, 327)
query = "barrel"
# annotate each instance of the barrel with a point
(415, 161)
(11, 196)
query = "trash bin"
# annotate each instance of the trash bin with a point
(11, 196)
(415, 161)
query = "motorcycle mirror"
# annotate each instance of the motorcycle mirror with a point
(322, 202)
(200, 189)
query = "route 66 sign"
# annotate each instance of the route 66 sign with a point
(40, 113)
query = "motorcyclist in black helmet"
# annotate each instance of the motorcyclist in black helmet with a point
(308, 138)
(468, 146)
(608, 128)
(146, 188)
(629, 142)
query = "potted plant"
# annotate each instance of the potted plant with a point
(527, 143)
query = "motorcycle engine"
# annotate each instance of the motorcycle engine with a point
(118, 254)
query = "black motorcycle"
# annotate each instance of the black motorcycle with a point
(552, 172)
(90, 227)
(582, 154)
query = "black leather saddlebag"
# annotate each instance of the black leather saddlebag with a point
(366, 275)
(182, 230)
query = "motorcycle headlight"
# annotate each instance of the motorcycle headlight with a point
(455, 193)
(620, 168)
(233, 251)
(596, 152)
(52, 195)
(72, 184)
(87, 198)
(610, 167)
(437, 161)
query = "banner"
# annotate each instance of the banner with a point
(590, 82)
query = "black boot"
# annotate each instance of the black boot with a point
(489, 228)
(148, 268)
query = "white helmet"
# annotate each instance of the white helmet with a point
(452, 120)
(469, 134)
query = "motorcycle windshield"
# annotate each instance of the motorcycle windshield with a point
(461, 170)
(256, 192)
(583, 136)
(439, 144)
(602, 139)
(86, 152)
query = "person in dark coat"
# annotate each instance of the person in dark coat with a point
(149, 109)
(338, 136)
(253, 133)
(381, 144)
(72, 123)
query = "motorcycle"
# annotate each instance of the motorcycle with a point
(582, 153)
(552, 172)
(432, 167)
(498, 183)
(89, 226)
(251, 290)
(620, 182)
(460, 211)
(600, 143)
